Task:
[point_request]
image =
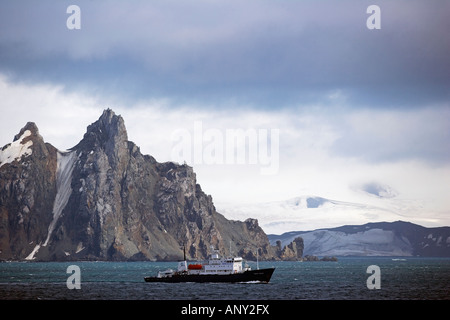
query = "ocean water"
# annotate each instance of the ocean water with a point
(399, 279)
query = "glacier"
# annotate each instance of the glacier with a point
(371, 242)
(65, 165)
(398, 238)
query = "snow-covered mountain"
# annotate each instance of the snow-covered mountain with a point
(313, 212)
(339, 228)
(372, 239)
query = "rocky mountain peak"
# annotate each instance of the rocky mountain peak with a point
(108, 132)
(28, 142)
(111, 122)
(107, 140)
(34, 131)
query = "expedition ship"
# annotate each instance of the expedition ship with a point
(215, 269)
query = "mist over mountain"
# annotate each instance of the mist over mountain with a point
(309, 212)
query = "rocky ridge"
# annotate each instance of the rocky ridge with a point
(104, 200)
(398, 238)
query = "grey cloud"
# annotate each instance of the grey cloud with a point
(272, 53)
(392, 136)
(379, 190)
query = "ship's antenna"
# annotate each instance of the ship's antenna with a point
(184, 252)
(257, 260)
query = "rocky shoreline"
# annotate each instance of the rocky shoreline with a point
(315, 258)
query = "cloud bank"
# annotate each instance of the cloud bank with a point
(361, 114)
(310, 161)
(268, 54)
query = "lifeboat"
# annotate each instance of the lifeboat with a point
(194, 266)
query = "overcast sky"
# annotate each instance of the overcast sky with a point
(353, 107)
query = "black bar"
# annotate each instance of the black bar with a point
(221, 309)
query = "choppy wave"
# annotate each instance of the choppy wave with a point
(416, 278)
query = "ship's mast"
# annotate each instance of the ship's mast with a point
(257, 260)
(182, 265)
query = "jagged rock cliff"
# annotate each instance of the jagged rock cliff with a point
(104, 200)
(292, 251)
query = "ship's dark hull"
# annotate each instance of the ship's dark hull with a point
(262, 275)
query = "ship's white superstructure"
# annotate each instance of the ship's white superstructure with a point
(214, 265)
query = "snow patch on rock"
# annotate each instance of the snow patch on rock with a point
(17, 149)
(65, 165)
(31, 255)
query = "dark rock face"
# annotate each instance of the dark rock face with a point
(104, 200)
(27, 191)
